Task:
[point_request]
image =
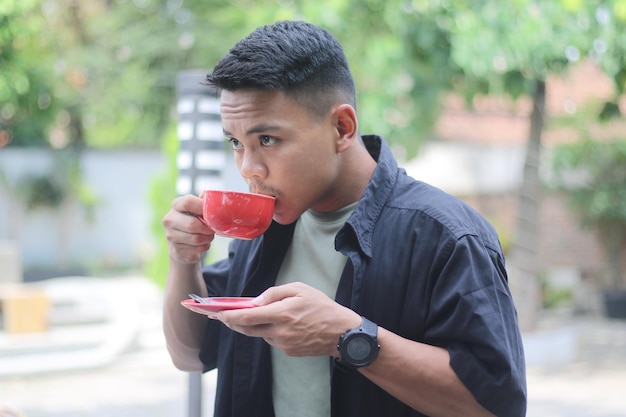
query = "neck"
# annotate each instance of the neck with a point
(356, 169)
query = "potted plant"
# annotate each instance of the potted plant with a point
(593, 173)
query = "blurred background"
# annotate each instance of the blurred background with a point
(515, 107)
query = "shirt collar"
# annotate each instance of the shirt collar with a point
(371, 203)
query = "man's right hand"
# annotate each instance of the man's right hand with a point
(187, 235)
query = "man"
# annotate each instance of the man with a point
(377, 295)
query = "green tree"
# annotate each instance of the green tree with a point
(512, 50)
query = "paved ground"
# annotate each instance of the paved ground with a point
(577, 369)
(591, 382)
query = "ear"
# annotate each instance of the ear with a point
(346, 125)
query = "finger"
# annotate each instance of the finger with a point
(185, 232)
(182, 221)
(278, 293)
(266, 316)
(185, 245)
(189, 204)
(248, 317)
(260, 330)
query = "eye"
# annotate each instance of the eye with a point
(235, 143)
(267, 140)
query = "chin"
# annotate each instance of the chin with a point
(281, 220)
(284, 219)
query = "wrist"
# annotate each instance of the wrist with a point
(183, 261)
(185, 273)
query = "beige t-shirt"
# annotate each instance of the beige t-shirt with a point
(301, 385)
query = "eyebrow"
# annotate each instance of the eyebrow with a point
(256, 129)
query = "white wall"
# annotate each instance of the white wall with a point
(120, 233)
(466, 169)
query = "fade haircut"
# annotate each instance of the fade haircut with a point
(304, 61)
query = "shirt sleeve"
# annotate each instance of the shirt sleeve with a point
(472, 315)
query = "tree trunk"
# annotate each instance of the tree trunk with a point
(523, 258)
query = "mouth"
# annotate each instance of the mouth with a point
(264, 194)
(264, 190)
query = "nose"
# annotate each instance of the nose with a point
(251, 165)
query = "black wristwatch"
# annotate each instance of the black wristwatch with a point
(358, 347)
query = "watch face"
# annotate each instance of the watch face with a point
(358, 348)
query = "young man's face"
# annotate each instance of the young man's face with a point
(281, 151)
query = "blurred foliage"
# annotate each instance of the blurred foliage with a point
(594, 175)
(41, 191)
(26, 108)
(106, 78)
(553, 296)
(503, 48)
(160, 194)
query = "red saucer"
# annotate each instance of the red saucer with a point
(214, 305)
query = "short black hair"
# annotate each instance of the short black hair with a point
(304, 61)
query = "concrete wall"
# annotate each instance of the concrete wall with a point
(119, 234)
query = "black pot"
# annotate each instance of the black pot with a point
(615, 304)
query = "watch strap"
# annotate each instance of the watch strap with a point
(369, 327)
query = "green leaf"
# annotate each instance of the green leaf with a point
(610, 110)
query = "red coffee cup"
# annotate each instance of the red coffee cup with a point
(237, 214)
